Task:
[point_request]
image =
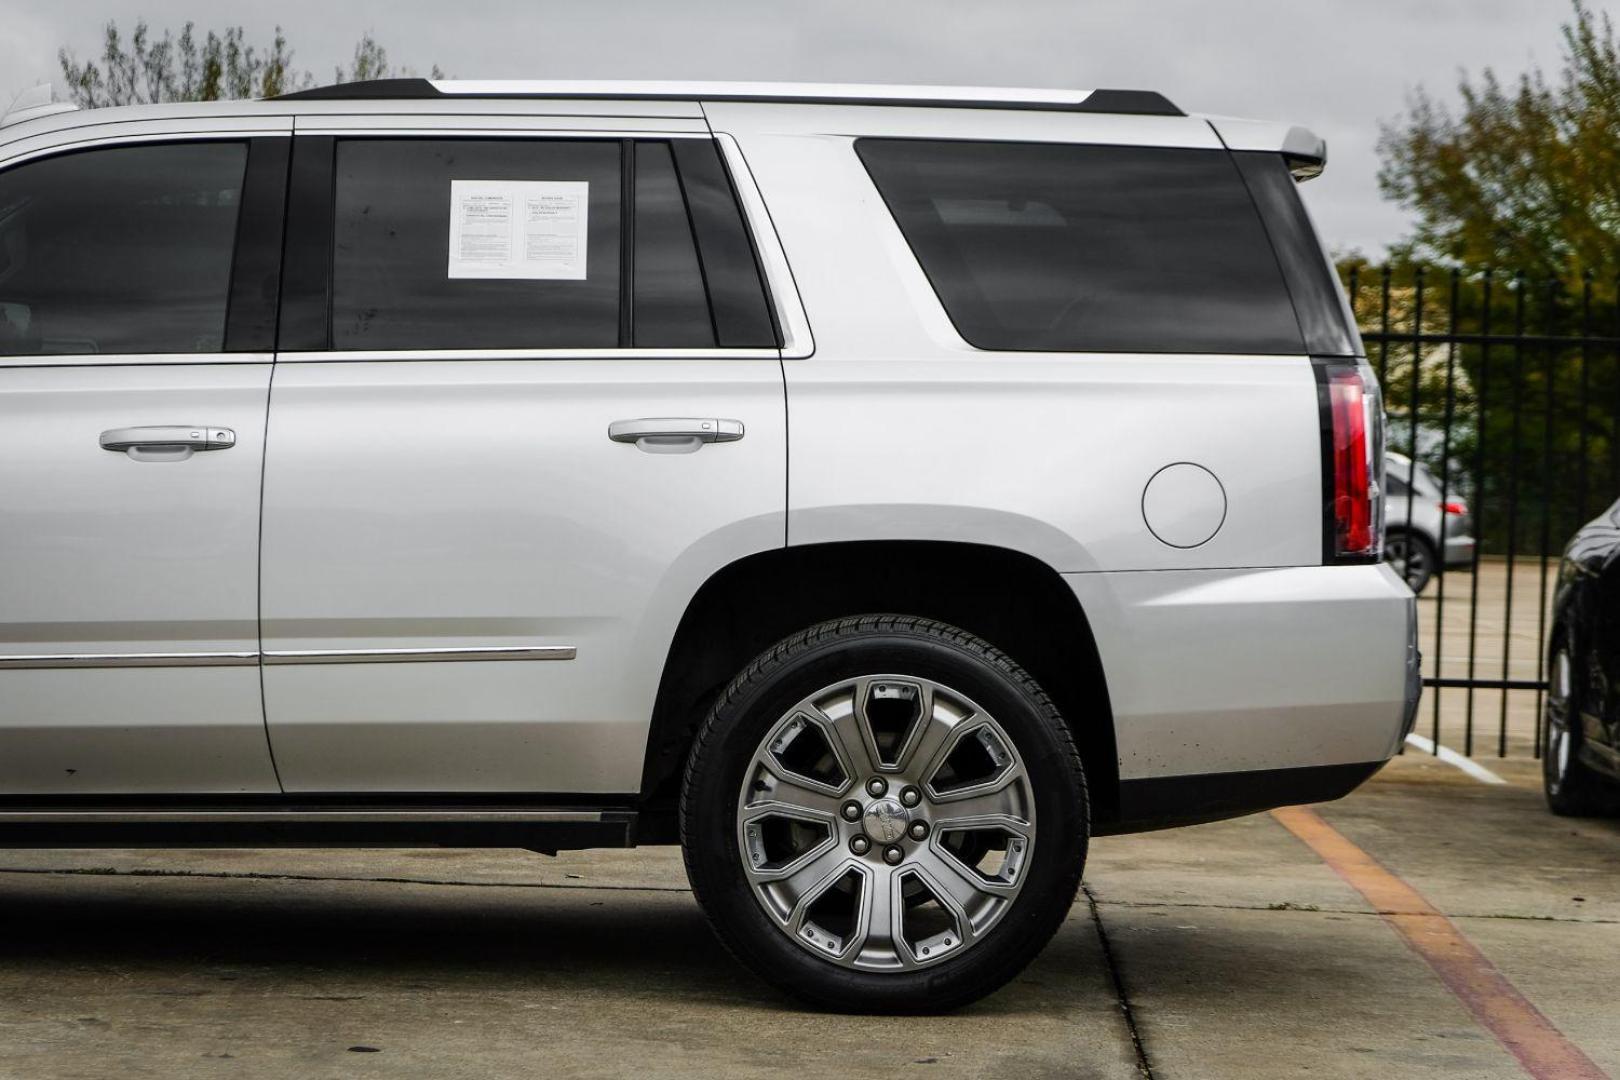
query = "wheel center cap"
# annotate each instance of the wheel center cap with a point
(886, 820)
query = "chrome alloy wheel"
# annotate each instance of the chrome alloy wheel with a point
(885, 823)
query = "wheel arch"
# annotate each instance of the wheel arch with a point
(1013, 600)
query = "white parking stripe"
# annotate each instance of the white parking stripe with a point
(1451, 757)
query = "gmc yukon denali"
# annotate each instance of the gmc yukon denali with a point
(878, 491)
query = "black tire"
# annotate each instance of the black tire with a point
(819, 657)
(1572, 788)
(1413, 556)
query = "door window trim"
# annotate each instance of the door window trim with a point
(792, 324)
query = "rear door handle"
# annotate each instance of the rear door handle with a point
(676, 430)
(168, 437)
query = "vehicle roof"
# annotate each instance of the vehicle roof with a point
(687, 99)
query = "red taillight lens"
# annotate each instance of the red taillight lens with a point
(1457, 508)
(1352, 459)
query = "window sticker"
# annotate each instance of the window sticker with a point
(528, 229)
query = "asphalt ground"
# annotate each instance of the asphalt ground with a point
(1427, 925)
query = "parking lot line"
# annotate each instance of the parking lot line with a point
(1451, 757)
(1496, 1003)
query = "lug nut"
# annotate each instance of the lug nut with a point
(877, 786)
(910, 796)
(860, 845)
(892, 855)
(852, 811)
(918, 830)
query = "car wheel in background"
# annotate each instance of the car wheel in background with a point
(1413, 557)
(884, 814)
(1572, 788)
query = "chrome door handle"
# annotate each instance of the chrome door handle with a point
(676, 430)
(168, 437)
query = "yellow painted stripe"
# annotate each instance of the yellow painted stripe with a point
(1518, 1025)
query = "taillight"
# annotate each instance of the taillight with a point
(1456, 508)
(1352, 461)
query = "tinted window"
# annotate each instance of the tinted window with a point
(671, 306)
(123, 250)
(1088, 248)
(737, 300)
(536, 257)
(1324, 315)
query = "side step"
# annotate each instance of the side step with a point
(285, 824)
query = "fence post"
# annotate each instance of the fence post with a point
(1480, 396)
(1544, 541)
(1445, 497)
(1516, 393)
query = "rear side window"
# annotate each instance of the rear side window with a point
(120, 250)
(1324, 315)
(1051, 247)
(448, 244)
(476, 244)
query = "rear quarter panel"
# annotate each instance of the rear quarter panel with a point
(1241, 653)
(899, 429)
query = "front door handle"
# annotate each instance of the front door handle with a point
(675, 433)
(167, 442)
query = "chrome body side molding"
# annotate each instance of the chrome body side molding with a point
(131, 660)
(417, 656)
(290, 656)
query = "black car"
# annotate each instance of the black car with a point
(1581, 766)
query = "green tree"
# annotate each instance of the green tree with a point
(144, 69)
(1524, 175)
(1515, 194)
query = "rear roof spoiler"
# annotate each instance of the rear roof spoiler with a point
(33, 103)
(1303, 149)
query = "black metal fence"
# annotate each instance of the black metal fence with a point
(1505, 393)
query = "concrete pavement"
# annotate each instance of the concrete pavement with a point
(1238, 953)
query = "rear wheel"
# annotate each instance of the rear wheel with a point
(1572, 788)
(1413, 557)
(884, 814)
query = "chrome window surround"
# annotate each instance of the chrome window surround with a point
(462, 355)
(52, 360)
(794, 324)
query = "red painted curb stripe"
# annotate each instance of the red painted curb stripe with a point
(1496, 1003)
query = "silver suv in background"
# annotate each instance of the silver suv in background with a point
(1426, 530)
(878, 491)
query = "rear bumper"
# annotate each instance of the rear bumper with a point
(1170, 801)
(1459, 551)
(1225, 684)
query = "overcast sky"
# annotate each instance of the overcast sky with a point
(1335, 66)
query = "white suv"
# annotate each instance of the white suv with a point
(878, 490)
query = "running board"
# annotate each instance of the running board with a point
(546, 830)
